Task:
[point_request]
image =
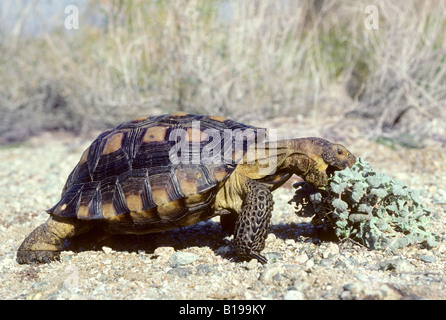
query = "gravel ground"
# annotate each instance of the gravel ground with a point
(197, 262)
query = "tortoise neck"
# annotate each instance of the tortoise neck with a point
(277, 158)
(294, 156)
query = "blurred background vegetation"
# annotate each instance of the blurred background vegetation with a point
(247, 60)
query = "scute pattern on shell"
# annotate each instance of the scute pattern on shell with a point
(127, 174)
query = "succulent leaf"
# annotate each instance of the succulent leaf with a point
(369, 207)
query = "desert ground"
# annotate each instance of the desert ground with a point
(369, 76)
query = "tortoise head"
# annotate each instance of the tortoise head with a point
(328, 157)
(338, 157)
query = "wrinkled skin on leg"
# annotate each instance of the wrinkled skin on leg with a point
(44, 244)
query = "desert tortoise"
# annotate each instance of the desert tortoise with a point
(162, 172)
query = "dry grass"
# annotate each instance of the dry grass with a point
(270, 58)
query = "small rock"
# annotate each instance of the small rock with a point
(346, 295)
(107, 250)
(326, 263)
(248, 296)
(164, 251)
(389, 292)
(67, 256)
(294, 295)
(361, 277)
(180, 272)
(300, 285)
(354, 287)
(270, 271)
(273, 256)
(39, 285)
(182, 258)
(331, 252)
(400, 265)
(351, 262)
(351, 291)
(203, 270)
(302, 258)
(252, 264)
(309, 264)
(340, 264)
(371, 294)
(427, 258)
(223, 250)
(36, 296)
(271, 237)
(358, 290)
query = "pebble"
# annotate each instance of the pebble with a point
(204, 270)
(309, 264)
(354, 287)
(300, 285)
(361, 277)
(223, 250)
(180, 258)
(270, 271)
(163, 252)
(274, 256)
(252, 264)
(389, 292)
(180, 272)
(331, 251)
(293, 295)
(107, 250)
(326, 263)
(427, 258)
(302, 258)
(400, 265)
(39, 285)
(361, 291)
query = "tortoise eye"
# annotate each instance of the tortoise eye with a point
(340, 151)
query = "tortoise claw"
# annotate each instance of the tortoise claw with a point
(41, 256)
(253, 255)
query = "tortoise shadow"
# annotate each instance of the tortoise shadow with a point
(204, 234)
(303, 231)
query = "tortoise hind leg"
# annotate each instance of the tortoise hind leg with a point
(252, 224)
(44, 244)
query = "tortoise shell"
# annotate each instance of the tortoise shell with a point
(140, 172)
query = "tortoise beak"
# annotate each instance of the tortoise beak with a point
(351, 159)
(348, 162)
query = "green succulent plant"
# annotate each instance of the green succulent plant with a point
(367, 206)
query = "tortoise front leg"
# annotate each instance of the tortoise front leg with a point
(252, 224)
(44, 244)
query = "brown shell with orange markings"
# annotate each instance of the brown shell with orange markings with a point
(149, 173)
